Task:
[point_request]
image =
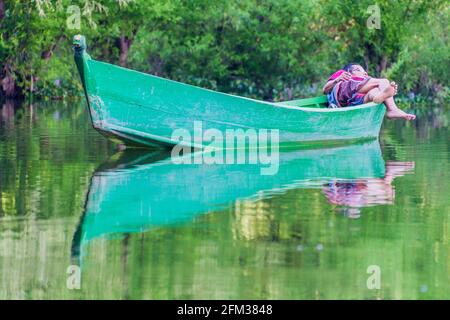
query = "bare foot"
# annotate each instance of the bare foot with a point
(394, 85)
(396, 169)
(387, 92)
(399, 168)
(397, 113)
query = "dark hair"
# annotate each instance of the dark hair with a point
(349, 66)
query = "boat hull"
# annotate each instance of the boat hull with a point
(144, 110)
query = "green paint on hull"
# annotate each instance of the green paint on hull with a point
(142, 109)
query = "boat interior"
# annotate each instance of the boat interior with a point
(316, 102)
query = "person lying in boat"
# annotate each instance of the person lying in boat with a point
(352, 86)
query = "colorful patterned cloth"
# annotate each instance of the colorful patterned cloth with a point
(345, 93)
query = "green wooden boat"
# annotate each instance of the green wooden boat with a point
(135, 192)
(138, 109)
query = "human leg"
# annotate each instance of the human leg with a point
(392, 110)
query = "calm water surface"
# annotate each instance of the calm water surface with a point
(139, 227)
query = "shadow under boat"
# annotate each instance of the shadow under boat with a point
(136, 191)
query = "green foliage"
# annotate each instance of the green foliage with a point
(410, 47)
(423, 64)
(269, 49)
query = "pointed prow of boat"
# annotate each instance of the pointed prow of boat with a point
(139, 109)
(79, 42)
(79, 47)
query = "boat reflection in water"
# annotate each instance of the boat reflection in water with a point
(135, 192)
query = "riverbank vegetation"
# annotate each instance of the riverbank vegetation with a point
(266, 49)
